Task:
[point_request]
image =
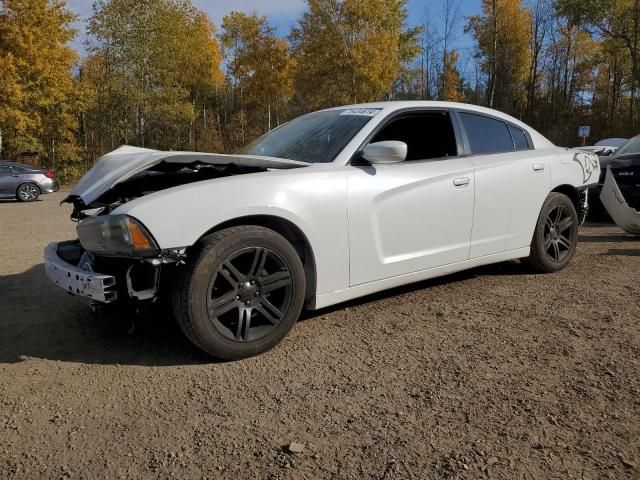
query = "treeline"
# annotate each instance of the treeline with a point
(158, 73)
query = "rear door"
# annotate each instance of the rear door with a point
(509, 177)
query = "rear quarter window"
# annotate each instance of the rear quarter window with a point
(486, 135)
(519, 138)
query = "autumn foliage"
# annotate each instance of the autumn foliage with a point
(159, 74)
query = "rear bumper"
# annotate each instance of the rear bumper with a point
(91, 285)
(49, 186)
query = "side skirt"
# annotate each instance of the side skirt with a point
(339, 296)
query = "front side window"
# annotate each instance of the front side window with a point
(486, 135)
(318, 137)
(427, 135)
(5, 170)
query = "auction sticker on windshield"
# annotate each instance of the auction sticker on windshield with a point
(363, 112)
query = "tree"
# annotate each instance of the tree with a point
(451, 80)
(451, 16)
(502, 35)
(540, 28)
(614, 20)
(350, 51)
(259, 74)
(154, 72)
(38, 101)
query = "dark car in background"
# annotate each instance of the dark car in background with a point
(625, 167)
(25, 182)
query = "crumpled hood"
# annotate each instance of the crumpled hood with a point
(126, 161)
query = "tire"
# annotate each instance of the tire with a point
(556, 234)
(241, 293)
(27, 192)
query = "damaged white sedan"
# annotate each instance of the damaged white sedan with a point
(331, 206)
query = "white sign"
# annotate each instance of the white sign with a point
(584, 131)
(365, 112)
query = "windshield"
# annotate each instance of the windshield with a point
(632, 146)
(314, 138)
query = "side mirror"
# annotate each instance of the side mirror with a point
(390, 151)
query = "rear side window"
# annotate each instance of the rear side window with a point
(486, 135)
(5, 170)
(519, 138)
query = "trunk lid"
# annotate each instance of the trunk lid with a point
(126, 161)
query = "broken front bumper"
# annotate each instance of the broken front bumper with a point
(94, 286)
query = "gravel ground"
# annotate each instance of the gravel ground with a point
(492, 373)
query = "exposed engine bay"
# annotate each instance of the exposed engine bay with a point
(124, 175)
(159, 177)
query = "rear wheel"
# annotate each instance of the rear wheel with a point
(27, 192)
(556, 235)
(242, 292)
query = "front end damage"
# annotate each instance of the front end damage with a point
(626, 217)
(100, 266)
(105, 280)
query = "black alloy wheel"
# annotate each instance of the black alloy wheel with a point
(250, 293)
(556, 234)
(240, 292)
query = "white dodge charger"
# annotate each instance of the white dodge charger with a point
(331, 206)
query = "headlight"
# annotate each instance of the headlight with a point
(116, 235)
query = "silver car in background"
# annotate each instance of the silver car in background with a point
(24, 182)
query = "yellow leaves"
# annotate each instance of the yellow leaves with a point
(36, 86)
(451, 81)
(503, 35)
(259, 70)
(504, 32)
(150, 72)
(350, 50)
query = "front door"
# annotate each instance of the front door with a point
(8, 180)
(414, 215)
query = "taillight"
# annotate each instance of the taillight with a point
(49, 174)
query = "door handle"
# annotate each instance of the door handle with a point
(461, 182)
(538, 167)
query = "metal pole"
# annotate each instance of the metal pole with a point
(0, 144)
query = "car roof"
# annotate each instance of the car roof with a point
(611, 142)
(14, 164)
(539, 140)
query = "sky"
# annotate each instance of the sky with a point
(283, 14)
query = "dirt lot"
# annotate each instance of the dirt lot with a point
(491, 373)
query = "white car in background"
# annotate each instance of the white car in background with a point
(331, 206)
(605, 147)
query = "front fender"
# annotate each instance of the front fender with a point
(313, 199)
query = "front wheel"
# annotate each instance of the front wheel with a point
(27, 192)
(241, 293)
(556, 235)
